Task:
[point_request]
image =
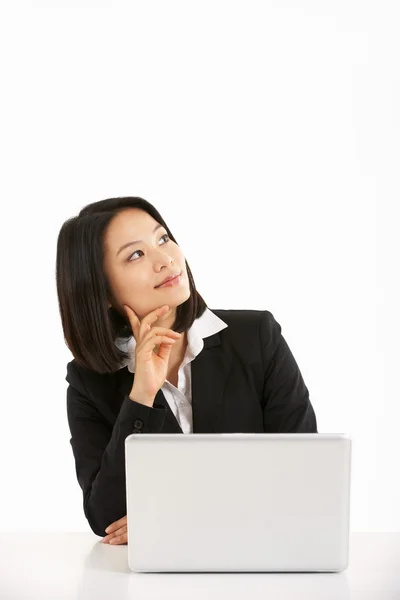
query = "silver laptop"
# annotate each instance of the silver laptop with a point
(238, 502)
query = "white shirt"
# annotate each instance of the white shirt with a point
(180, 398)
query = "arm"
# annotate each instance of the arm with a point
(99, 450)
(286, 404)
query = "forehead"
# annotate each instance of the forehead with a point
(129, 224)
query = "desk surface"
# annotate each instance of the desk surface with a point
(77, 565)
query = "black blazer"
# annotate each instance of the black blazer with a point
(245, 379)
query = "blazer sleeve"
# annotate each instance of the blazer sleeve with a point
(286, 403)
(99, 450)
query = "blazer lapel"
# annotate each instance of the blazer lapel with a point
(209, 371)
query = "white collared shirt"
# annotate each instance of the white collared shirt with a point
(180, 398)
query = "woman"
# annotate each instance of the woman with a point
(151, 357)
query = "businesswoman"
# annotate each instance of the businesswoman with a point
(151, 357)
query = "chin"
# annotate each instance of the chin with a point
(184, 297)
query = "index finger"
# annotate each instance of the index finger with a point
(145, 325)
(137, 325)
(133, 319)
(153, 315)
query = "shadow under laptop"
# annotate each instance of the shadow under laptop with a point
(104, 560)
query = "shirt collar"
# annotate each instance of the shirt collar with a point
(204, 326)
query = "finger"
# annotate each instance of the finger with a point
(154, 339)
(152, 317)
(164, 351)
(114, 534)
(163, 331)
(133, 320)
(156, 336)
(120, 530)
(139, 328)
(117, 524)
(121, 539)
(148, 344)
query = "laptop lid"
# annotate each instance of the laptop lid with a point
(238, 502)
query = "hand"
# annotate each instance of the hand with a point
(117, 532)
(150, 367)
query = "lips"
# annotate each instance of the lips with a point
(169, 278)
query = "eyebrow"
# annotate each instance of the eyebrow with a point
(138, 241)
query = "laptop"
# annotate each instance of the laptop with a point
(256, 502)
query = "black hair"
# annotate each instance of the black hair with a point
(91, 328)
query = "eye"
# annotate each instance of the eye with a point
(136, 251)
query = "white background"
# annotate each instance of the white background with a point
(267, 135)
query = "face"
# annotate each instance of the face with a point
(134, 271)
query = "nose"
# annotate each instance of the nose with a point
(164, 259)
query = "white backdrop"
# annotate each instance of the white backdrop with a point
(267, 135)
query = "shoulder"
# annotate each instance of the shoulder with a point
(241, 319)
(249, 326)
(89, 383)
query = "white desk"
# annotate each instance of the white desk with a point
(58, 566)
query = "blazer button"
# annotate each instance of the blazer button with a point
(138, 424)
(136, 431)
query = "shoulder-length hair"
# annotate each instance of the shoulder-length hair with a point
(91, 328)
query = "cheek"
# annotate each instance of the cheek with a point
(178, 254)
